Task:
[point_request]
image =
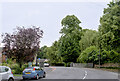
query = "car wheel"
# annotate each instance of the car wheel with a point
(37, 77)
(11, 79)
(44, 75)
(24, 78)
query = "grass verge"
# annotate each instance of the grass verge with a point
(17, 74)
(111, 69)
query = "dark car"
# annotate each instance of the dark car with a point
(33, 73)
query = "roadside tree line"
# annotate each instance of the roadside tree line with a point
(85, 45)
(74, 45)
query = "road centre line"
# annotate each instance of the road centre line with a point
(85, 75)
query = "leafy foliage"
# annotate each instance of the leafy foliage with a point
(69, 41)
(42, 52)
(89, 55)
(110, 27)
(23, 44)
(52, 54)
(89, 38)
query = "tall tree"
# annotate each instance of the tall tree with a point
(23, 44)
(69, 41)
(53, 54)
(42, 52)
(110, 27)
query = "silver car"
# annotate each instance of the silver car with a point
(6, 73)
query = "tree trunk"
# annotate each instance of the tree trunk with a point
(20, 65)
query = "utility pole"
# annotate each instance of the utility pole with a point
(99, 58)
(36, 60)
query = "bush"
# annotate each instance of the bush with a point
(17, 70)
(67, 64)
(57, 64)
(89, 55)
(14, 66)
(5, 64)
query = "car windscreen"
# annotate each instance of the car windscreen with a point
(28, 69)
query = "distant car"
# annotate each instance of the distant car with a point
(6, 73)
(33, 73)
(46, 64)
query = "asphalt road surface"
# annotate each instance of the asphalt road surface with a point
(76, 73)
(79, 73)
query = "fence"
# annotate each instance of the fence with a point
(83, 65)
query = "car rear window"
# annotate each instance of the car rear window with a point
(30, 69)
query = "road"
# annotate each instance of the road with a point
(77, 73)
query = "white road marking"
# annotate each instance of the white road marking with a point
(53, 68)
(85, 75)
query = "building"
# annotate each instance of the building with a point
(1, 53)
(2, 56)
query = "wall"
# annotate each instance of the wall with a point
(83, 65)
(0, 55)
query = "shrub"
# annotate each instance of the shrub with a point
(57, 64)
(67, 64)
(14, 66)
(17, 70)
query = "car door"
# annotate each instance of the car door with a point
(0, 73)
(4, 72)
(42, 72)
(38, 71)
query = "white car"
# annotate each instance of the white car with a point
(6, 73)
(46, 64)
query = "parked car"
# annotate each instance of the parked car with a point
(33, 73)
(6, 73)
(46, 64)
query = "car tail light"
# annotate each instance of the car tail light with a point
(11, 72)
(33, 69)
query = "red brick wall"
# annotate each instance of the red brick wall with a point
(0, 55)
(0, 58)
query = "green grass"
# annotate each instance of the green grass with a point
(17, 74)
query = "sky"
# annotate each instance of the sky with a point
(48, 14)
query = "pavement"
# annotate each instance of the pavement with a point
(71, 73)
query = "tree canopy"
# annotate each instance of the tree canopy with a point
(69, 41)
(89, 38)
(110, 27)
(23, 44)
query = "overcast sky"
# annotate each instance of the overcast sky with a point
(48, 14)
